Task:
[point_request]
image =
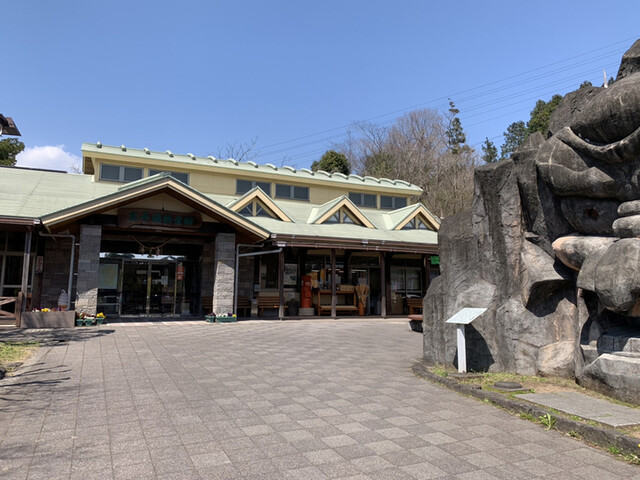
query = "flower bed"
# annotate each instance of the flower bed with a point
(46, 318)
(221, 318)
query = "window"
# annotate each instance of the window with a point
(255, 209)
(120, 173)
(292, 191)
(416, 223)
(183, 177)
(392, 203)
(363, 199)
(11, 261)
(243, 186)
(342, 216)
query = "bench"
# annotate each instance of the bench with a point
(269, 302)
(414, 305)
(339, 308)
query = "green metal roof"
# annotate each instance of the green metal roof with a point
(26, 193)
(248, 168)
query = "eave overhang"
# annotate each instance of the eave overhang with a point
(151, 186)
(353, 244)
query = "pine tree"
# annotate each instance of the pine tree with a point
(489, 151)
(456, 138)
(514, 137)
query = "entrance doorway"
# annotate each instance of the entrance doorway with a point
(133, 284)
(149, 287)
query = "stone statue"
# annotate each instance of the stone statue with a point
(551, 247)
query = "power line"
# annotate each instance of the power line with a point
(497, 82)
(565, 82)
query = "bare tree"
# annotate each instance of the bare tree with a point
(240, 151)
(416, 149)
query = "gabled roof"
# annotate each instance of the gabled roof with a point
(258, 193)
(151, 186)
(320, 214)
(397, 219)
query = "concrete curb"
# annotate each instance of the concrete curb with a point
(596, 434)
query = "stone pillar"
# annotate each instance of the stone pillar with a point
(88, 269)
(225, 262)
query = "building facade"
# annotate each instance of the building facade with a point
(156, 233)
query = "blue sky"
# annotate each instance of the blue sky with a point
(194, 76)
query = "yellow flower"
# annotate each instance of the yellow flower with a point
(100, 315)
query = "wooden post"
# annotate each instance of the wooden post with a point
(333, 283)
(18, 308)
(462, 350)
(281, 283)
(25, 268)
(383, 285)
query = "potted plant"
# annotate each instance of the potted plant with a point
(211, 317)
(100, 317)
(226, 318)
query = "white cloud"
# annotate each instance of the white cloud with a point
(53, 157)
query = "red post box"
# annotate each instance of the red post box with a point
(305, 294)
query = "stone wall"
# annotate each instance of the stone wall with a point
(88, 269)
(55, 271)
(225, 270)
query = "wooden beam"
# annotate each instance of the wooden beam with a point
(281, 284)
(383, 284)
(333, 283)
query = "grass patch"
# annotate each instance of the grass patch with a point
(547, 420)
(11, 352)
(440, 370)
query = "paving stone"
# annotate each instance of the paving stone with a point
(304, 399)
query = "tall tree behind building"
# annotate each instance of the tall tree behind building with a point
(9, 149)
(423, 147)
(332, 162)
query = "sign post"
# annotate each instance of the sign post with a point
(460, 319)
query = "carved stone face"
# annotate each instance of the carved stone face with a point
(592, 167)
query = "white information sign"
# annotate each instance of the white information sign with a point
(460, 319)
(466, 316)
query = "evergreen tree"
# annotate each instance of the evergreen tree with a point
(332, 162)
(9, 149)
(514, 137)
(489, 151)
(456, 138)
(540, 115)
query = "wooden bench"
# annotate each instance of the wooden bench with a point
(414, 304)
(339, 308)
(265, 302)
(244, 305)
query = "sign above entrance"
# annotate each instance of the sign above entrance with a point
(158, 218)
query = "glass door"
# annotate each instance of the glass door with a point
(149, 287)
(134, 288)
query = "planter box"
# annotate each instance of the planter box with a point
(226, 319)
(48, 319)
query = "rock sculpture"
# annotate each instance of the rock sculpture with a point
(551, 247)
